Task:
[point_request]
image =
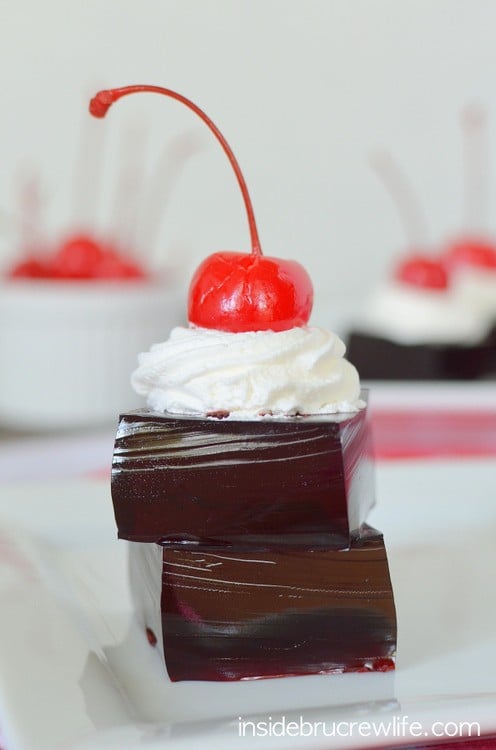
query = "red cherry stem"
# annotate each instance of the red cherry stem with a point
(103, 100)
(403, 197)
(476, 163)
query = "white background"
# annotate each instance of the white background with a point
(303, 89)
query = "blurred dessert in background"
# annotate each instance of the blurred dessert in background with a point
(472, 266)
(414, 328)
(79, 257)
(74, 311)
(433, 318)
(471, 256)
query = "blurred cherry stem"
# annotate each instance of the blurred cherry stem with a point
(403, 196)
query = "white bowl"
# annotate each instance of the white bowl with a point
(67, 349)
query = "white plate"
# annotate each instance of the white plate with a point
(75, 672)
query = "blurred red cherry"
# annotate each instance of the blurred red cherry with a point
(83, 257)
(113, 265)
(423, 272)
(30, 268)
(77, 258)
(471, 252)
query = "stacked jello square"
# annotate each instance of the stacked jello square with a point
(250, 555)
(244, 488)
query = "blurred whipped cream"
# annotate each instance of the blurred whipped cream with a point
(409, 315)
(201, 371)
(476, 288)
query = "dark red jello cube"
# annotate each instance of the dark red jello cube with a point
(298, 481)
(243, 614)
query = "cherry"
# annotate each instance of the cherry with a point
(473, 249)
(112, 265)
(417, 269)
(263, 293)
(422, 271)
(81, 257)
(233, 291)
(77, 257)
(469, 251)
(29, 268)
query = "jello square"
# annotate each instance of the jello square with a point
(296, 481)
(228, 615)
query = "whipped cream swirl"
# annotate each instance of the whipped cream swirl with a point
(201, 371)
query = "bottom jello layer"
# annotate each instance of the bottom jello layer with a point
(377, 358)
(238, 614)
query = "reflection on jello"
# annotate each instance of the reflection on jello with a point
(191, 709)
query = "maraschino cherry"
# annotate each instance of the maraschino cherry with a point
(79, 257)
(30, 267)
(418, 269)
(82, 256)
(423, 272)
(235, 291)
(470, 252)
(474, 249)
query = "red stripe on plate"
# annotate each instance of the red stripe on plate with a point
(428, 433)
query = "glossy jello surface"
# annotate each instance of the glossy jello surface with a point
(298, 481)
(230, 615)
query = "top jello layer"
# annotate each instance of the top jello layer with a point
(203, 483)
(248, 375)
